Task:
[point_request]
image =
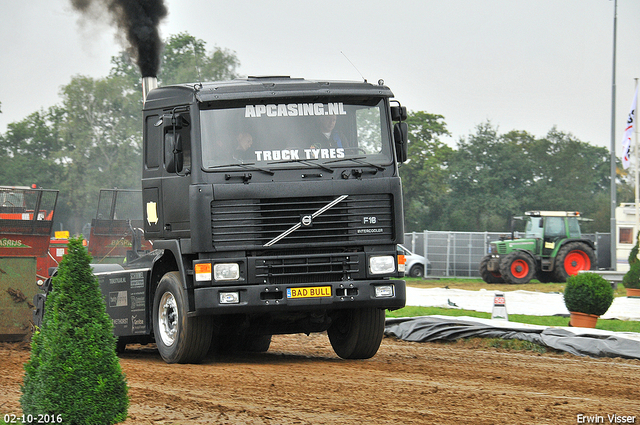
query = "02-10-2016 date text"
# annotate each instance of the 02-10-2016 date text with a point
(32, 419)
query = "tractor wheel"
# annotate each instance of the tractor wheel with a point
(357, 333)
(487, 275)
(572, 258)
(517, 268)
(180, 339)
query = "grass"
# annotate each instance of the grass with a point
(534, 286)
(558, 321)
(477, 284)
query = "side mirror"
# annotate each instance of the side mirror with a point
(398, 113)
(401, 138)
(173, 157)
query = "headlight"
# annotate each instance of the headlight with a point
(384, 291)
(226, 271)
(229, 297)
(383, 264)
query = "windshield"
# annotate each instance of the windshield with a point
(285, 134)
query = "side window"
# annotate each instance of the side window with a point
(533, 229)
(554, 227)
(152, 142)
(574, 228)
(626, 235)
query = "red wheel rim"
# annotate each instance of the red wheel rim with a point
(519, 269)
(576, 261)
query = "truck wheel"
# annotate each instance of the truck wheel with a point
(121, 345)
(416, 271)
(572, 258)
(256, 343)
(517, 268)
(357, 333)
(180, 339)
(240, 342)
(487, 275)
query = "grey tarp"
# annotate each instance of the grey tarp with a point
(431, 328)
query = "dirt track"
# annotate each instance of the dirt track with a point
(300, 381)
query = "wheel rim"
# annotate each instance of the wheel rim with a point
(519, 269)
(576, 261)
(168, 319)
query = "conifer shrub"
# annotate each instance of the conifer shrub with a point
(631, 279)
(74, 373)
(588, 293)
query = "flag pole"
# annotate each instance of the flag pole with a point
(614, 258)
(637, 168)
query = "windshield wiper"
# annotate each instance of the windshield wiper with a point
(308, 162)
(247, 166)
(358, 160)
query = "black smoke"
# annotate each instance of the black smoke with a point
(138, 20)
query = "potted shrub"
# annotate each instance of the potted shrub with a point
(587, 296)
(631, 279)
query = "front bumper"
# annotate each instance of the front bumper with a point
(276, 298)
(493, 265)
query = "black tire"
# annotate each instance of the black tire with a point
(121, 346)
(357, 333)
(417, 270)
(256, 343)
(240, 342)
(546, 277)
(487, 275)
(572, 258)
(180, 339)
(517, 268)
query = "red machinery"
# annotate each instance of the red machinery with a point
(26, 219)
(116, 232)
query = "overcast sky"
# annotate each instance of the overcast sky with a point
(522, 64)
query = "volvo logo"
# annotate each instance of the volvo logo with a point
(306, 220)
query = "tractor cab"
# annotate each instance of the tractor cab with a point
(552, 250)
(550, 227)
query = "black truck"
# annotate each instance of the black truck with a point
(273, 206)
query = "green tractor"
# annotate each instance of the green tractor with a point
(552, 250)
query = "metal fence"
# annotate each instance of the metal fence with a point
(458, 254)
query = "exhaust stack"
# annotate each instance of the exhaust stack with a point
(148, 84)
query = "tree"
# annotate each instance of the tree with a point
(425, 174)
(73, 370)
(102, 142)
(573, 175)
(490, 175)
(494, 177)
(31, 147)
(185, 60)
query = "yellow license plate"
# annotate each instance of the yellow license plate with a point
(313, 292)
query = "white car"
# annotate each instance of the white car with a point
(416, 265)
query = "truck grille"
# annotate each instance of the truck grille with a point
(308, 268)
(251, 223)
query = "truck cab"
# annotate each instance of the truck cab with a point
(274, 206)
